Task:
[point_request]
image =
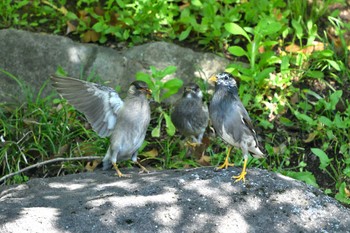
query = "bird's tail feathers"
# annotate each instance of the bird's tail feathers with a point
(256, 152)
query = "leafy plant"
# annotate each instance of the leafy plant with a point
(39, 129)
(161, 90)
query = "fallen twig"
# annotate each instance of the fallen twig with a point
(46, 162)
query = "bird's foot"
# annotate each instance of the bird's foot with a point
(192, 144)
(143, 169)
(243, 173)
(225, 165)
(119, 173)
(240, 176)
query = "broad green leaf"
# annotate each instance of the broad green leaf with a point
(267, 26)
(235, 29)
(304, 117)
(237, 51)
(315, 74)
(286, 121)
(156, 131)
(170, 128)
(121, 3)
(334, 64)
(196, 3)
(298, 28)
(173, 86)
(99, 26)
(326, 121)
(128, 21)
(169, 70)
(174, 83)
(343, 195)
(184, 34)
(334, 98)
(324, 160)
(264, 74)
(143, 77)
(71, 16)
(146, 78)
(307, 177)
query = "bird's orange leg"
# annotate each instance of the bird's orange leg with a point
(243, 173)
(192, 144)
(117, 170)
(226, 163)
(143, 169)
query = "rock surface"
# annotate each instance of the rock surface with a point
(197, 200)
(32, 57)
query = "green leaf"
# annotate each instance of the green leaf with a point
(324, 160)
(121, 3)
(264, 74)
(196, 3)
(61, 72)
(304, 117)
(184, 34)
(99, 26)
(267, 26)
(334, 98)
(298, 28)
(286, 121)
(334, 64)
(173, 86)
(314, 74)
(235, 29)
(326, 121)
(307, 177)
(143, 77)
(342, 195)
(174, 83)
(237, 51)
(169, 70)
(71, 16)
(170, 128)
(128, 21)
(156, 131)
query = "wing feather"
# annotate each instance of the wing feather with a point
(99, 104)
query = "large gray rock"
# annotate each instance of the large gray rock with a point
(198, 200)
(32, 57)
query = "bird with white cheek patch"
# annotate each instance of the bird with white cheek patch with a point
(125, 121)
(231, 121)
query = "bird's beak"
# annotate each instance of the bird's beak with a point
(148, 92)
(187, 89)
(213, 79)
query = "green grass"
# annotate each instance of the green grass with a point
(297, 98)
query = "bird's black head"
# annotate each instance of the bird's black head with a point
(224, 79)
(192, 90)
(139, 87)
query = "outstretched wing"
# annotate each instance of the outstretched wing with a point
(99, 104)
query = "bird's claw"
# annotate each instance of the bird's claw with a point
(192, 144)
(225, 165)
(121, 175)
(243, 173)
(143, 169)
(118, 172)
(240, 176)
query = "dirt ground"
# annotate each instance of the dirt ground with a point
(195, 200)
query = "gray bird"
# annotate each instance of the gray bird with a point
(190, 115)
(125, 121)
(231, 121)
